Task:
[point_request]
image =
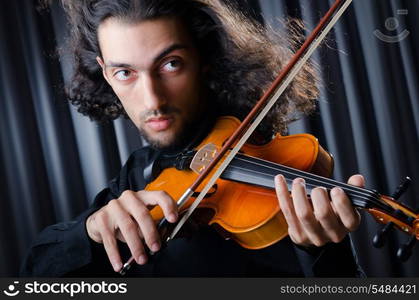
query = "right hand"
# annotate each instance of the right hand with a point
(128, 219)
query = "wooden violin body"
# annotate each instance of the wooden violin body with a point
(247, 213)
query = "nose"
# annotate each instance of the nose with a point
(152, 93)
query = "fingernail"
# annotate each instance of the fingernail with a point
(142, 259)
(155, 247)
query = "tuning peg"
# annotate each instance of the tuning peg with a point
(402, 188)
(381, 237)
(405, 251)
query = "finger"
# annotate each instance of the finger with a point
(325, 214)
(305, 214)
(349, 216)
(129, 230)
(287, 207)
(137, 208)
(109, 242)
(120, 237)
(357, 180)
(162, 199)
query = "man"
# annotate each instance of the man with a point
(172, 67)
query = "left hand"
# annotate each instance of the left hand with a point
(322, 218)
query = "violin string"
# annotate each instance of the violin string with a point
(369, 196)
(319, 180)
(309, 186)
(389, 210)
(296, 172)
(299, 173)
(308, 176)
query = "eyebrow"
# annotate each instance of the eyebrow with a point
(155, 59)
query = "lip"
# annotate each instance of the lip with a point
(159, 124)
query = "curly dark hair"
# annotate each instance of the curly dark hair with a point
(244, 57)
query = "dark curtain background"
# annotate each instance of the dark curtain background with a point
(53, 160)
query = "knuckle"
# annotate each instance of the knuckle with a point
(128, 198)
(150, 232)
(150, 240)
(126, 194)
(339, 238)
(286, 212)
(127, 224)
(296, 238)
(305, 216)
(142, 212)
(319, 241)
(109, 241)
(162, 195)
(137, 251)
(165, 199)
(323, 214)
(113, 204)
(101, 218)
(336, 237)
(99, 215)
(283, 194)
(352, 221)
(142, 194)
(306, 222)
(339, 201)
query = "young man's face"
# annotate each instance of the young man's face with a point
(155, 70)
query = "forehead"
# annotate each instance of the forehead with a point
(139, 43)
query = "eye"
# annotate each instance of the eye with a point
(123, 75)
(172, 65)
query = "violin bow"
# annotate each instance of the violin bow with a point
(259, 111)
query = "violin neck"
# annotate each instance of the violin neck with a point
(251, 170)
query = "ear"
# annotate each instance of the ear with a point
(102, 65)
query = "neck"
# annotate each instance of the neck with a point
(260, 172)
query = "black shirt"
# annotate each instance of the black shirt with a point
(64, 249)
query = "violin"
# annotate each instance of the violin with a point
(230, 182)
(243, 205)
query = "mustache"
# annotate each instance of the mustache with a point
(155, 113)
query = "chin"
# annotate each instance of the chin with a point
(171, 138)
(161, 140)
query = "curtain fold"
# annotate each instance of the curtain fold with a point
(368, 108)
(54, 160)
